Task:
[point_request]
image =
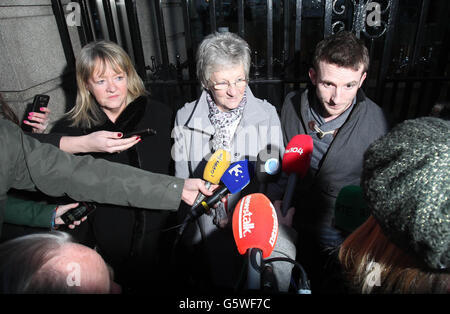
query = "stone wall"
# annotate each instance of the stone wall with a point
(32, 59)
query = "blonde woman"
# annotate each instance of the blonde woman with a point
(112, 101)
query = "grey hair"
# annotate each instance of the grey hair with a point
(218, 50)
(22, 260)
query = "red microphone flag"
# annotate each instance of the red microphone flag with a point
(297, 156)
(255, 224)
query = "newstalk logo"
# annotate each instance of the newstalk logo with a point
(245, 218)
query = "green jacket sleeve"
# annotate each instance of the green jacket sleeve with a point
(27, 164)
(29, 213)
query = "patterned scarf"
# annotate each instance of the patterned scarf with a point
(222, 122)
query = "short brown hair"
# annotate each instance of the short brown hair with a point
(343, 49)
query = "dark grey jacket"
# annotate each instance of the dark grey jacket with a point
(26, 164)
(342, 165)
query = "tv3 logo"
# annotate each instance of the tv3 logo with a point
(236, 171)
(74, 17)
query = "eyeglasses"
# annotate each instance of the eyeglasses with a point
(225, 85)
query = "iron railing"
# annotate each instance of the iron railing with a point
(408, 73)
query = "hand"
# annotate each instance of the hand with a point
(61, 209)
(40, 120)
(287, 220)
(191, 189)
(107, 142)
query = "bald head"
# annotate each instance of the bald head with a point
(52, 263)
(82, 269)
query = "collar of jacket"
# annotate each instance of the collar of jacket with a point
(251, 115)
(329, 160)
(127, 120)
(306, 98)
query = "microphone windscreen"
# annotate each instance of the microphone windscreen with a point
(297, 156)
(255, 224)
(216, 166)
(268, 165)
(237, 176)
(351, 209)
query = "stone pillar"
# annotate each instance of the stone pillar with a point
(32, 59)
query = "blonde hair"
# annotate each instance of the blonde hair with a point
(86, 113)
(398, 271)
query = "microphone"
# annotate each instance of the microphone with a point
(351, 209)
(296, 162)
(234, 179)
(269, 279)
(268, 166)
(214, 169)
(255, 232)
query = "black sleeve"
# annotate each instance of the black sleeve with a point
(52, 138)
(60, 129)
(63, 126)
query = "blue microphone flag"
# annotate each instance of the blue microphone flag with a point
(237, 176)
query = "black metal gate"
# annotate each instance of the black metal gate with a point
(408, 41)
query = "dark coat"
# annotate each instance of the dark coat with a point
(342, 164)
(129, 238)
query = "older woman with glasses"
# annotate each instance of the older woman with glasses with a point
(226, 116)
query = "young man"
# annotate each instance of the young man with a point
(343, 122)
